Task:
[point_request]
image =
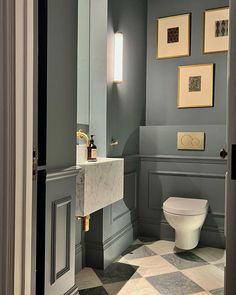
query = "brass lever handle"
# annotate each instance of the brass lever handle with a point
(223, 153)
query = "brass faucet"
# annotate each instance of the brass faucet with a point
(81, 134)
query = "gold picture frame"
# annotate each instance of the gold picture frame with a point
(173, 36)
(216, 30)
(195, 86)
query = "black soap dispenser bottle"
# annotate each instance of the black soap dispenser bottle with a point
(92, 150)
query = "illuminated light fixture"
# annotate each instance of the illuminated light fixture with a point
(118, 58)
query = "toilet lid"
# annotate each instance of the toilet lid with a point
(185, 206)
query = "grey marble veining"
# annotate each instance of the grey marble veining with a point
(184, 260)
(174, 284)
(99, 184)
(154, 275)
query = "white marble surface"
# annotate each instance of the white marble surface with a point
(99, 184)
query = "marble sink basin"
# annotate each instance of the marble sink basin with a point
(99, 184)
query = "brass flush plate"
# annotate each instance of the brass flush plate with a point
(191, 141)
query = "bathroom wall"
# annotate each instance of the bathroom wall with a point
(166, 171)
(126, 101)
(162, 74)
(125, 113)
(61, 87)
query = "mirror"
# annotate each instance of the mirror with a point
(83, 64)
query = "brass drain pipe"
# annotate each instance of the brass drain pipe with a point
(85, 222)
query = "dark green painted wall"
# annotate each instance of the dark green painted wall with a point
(162, 74)
(164, 170)
(126, 101)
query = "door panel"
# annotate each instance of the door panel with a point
(56, 122)
(59, 232)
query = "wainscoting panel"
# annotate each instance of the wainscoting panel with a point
(162, 184)
(61, 242)
(161, 177)
(129, 203)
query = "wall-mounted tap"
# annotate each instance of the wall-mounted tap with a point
(81, 134)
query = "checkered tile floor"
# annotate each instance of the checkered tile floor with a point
(157, 268)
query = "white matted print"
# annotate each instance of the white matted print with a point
(195, 86)
(216, 30)
(173, 36)
(191, 141)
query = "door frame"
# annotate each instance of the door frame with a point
(230, 283)
(17, 35)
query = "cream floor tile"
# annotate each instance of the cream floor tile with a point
(144, 241)
(202, 293)
(208, 277)
(121, 259)
(138, 287)
(211, 255)
(152, 266)
(163, 247)
(114, 288)
(87, 278)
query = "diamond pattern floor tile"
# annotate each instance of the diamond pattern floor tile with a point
(87, 278)
(154, 265)
(138, 287)
(208, 277)
(202, 293)
(218, 292)
(115, 272)
(114, 288)
(163, 247)
(211, 255)
(94, 291)
(220, 266)
(184, 260)
(150, 267)
(137, 251)
(174, 284)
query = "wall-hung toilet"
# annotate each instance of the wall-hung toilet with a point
(186, 216)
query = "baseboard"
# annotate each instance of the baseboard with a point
(73, 291)
(79, 248)
(211, 236)
(102, 254)
(149, 227)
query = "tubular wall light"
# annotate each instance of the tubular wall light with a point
(118, 58)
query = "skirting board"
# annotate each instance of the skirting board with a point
(101, 255)
(73, 291)
(210, 236)
(79, 249)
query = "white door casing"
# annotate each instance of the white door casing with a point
(230, 282)
(17, 48)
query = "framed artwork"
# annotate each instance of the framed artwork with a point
(191, 141)
(216, 30)
(195, 86)
(173, 36)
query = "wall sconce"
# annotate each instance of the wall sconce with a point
(118, 58)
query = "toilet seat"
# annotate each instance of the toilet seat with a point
(185, 206)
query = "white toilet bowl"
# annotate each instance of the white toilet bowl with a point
(186, 216)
